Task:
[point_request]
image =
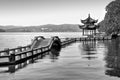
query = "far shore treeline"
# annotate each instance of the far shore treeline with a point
(42, 28)
(110, 24)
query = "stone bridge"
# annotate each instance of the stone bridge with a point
(52, 43)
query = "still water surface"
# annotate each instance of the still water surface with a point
(13, 40)
(99, 60)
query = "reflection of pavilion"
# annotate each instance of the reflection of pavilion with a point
(89, 45)
(89, 48)
(90, 57)
(89, 27)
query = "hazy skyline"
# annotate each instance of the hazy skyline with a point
(40, 12)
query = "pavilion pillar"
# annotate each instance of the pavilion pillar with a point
(92, 32)
(83, 32)
(95, 31)
(86, 32)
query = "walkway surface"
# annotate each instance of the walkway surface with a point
(41, 43)
(73, 63)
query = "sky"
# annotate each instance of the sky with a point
(41, 12)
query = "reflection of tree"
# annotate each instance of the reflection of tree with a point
(113, 58)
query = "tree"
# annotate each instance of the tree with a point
(111, 22)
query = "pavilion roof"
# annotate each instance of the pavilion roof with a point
(89, 27)
(89, 20)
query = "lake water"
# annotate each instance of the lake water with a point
(13, 40)
(92, 60)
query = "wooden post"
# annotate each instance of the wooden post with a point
(95, 31)
(20, 56)
(24, 49)
(12, 58)
(7, 51)
(25, 54)
(83, 32)
(42, 53)
(20, 48)
(32, 52)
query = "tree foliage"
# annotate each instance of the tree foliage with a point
(111, 22)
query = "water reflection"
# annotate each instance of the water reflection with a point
(92, 53)
(89, 48)
(53, 56)
(89, 45)
(113, 58)
(14, 68)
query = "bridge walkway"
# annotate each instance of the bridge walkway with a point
(41, 43)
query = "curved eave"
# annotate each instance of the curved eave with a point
(88, 27)
(82, 26)
(90, 21)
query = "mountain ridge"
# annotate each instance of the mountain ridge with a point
(45, 28)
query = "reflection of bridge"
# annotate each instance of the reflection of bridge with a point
(39, 47)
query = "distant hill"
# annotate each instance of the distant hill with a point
(1, 30)
(8, 27)
(47, 28)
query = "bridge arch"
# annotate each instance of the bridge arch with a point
(56, 44)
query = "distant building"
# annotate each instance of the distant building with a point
(89, 27)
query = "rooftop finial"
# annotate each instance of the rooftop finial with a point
(89, 15)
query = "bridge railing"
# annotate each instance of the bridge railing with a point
(68, 41)
(7, 51)
(5, 55)
(23, 56)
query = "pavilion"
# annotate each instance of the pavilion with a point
(89, 27)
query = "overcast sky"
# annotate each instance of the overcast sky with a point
(39, 12)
